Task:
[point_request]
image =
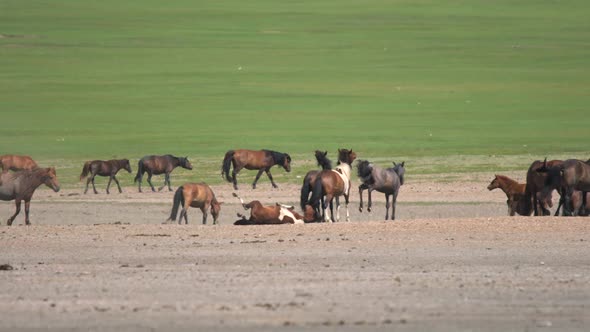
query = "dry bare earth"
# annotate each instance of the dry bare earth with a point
(419, 273)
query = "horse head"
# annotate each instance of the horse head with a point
(346, 156)
(49, 178)
(286, 162)
(494, 184)
(400, 170)
(543, 168)
(322, 159)
(126, 165)
(184, 163)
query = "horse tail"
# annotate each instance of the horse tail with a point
(305, 189)
(176, 201)
(317, 192)
(139, 171)
(85, 170)
(227, 165)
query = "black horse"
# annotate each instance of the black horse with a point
(155, 165)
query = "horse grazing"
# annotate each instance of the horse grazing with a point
(535, 181)
(198, 195)
(571, 175)
(387, 181)
(155, 165)
(108, 168)
(333, 183)
(21, 186)
(273, 214)
(16, 163)
(515, 194)
(261, 160)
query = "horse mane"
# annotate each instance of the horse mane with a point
(323, 160)
(278, 157)
(365, 171)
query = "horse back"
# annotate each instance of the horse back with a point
(17, 163)
(199, 194)
(159, 164)
(250, 159)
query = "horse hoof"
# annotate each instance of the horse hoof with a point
(368, 209)
(360, 209)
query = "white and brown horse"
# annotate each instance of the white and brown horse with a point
(273, 214)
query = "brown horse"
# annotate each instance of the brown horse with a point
(332, 184)
(21, 185)
(155, 165)
(309, 179)
(570, 176)
(535, 181)
(515, 194)
(261, 160)
(104, 168)
(273, 214)
(16, 163)
(198, 195)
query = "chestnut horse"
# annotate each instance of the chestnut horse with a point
(535, 181)
(16, 163)
(21, 185)
(104, 168)
(197, 195)
(332, 184)
(155, 165)
(515, 194)
(570, 176)
(261, 160)
(387, 181)
(274, 214)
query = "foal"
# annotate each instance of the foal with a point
(155, 165)
(515, 194)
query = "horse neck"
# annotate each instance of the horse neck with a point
(118, 163)
(345, 168)
(31, 180)
(507, 184)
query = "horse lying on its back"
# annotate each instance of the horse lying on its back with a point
(273, 214)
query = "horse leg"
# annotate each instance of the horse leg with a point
(274, 185)
(370, 199)
(165, 181)
(87, 184)
(337, 208)
(118, 185)
(93, 185)
(387, 206)
(393, 202)
(109, 184)
(183, 213)
(139, 180)
(567, 204)
(11, 219)
(149, 181)
(535, 202)
(27, 206)
(362, 187)
(168, 179)
(583, 207)
(257, 177)
(204, 210)
(346, 200)
(234, 174)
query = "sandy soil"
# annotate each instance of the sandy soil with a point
(452, 261)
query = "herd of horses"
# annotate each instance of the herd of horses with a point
(320, 191)
(569, 178)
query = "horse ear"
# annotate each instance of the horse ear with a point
(561, 172)
(325, 153)
(394, 164)
(403, 162)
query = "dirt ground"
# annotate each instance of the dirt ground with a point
(451, 261)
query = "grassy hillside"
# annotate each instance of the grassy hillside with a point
(87, 79)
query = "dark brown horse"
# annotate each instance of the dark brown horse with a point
(273, 214)
(515, 195)
(333, 183)
(21, 185)
(570, 176)
(535, 181)
(155, 165)
(104, 168)
(16, 163)
(198, 195)
(261, 160)
(385, 180)
(309, 179)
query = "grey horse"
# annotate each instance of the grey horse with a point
(385, 180)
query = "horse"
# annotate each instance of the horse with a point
(273, 214)
(515, 194)
(571, 175)
(261, 160)
(535, 181)
(387, 181)
(309, 179)
(104, 168)
(21, 185)
(155, 165)
(333, 183)
(198, 195)
(16, 163)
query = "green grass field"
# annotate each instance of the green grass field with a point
(95, 80)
